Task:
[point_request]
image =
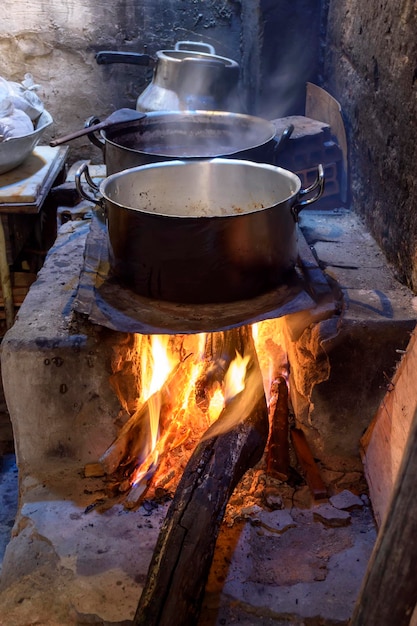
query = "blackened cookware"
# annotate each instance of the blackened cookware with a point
(210, 230)
(165, 135)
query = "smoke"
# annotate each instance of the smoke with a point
(283, 85)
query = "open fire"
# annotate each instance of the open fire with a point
(195, 420)
(179, 386)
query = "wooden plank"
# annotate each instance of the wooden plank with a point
(23, 279)
(322, 106)
(383, 444)
(389, 590)
(6, 283)
(21, 282)
(24, 189)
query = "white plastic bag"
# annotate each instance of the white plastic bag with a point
(13, 122)
(23, 96)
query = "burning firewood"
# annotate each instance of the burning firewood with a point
(182, 558)
(127, 448)
(278, 459)
(140, 455)
(220, 350)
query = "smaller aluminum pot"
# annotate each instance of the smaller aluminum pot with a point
(216, 230)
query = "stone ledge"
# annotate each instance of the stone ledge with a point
(350, 257)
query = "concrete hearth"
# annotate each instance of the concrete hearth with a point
(281, 557)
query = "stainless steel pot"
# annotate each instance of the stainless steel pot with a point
(164, 135)
(203, 231)
(189, 77)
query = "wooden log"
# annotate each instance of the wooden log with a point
(308, 465)
(389, 589)
(278, 455)
(182, 558)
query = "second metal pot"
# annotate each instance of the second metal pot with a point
(204, 231)
(165, 135)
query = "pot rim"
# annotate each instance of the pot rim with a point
(267, 127)
(179, 163)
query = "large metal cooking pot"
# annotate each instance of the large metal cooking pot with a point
(215, 230)
(189, 77)
(164, 135)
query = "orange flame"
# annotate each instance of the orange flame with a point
(235, 376)
(160, 365)
(216, 405)
(189, 417)
(155, 368)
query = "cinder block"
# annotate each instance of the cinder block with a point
(310, 143)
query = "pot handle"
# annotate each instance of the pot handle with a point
(83, 170)
(282, 141)
(318, 184)
(195, 46)
(105, 57)
(92, 121)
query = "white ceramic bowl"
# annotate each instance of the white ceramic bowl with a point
(15, 150)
